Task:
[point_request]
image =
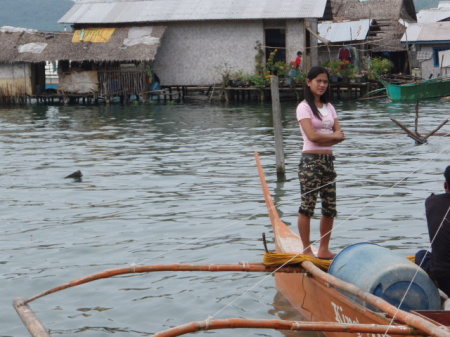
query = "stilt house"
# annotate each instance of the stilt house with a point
(335, 35)
(194, 42)
(429, 42)
(389, 19)
(22, 62)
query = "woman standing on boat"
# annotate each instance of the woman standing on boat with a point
(321, 130)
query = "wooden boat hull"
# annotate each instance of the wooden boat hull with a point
(413, 92)
(316, 300)
(319, 303)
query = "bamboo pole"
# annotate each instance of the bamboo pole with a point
(416, 122)
(276, 324)
(246, 267)
(418, 139)
(29, 319)
(437, 129)
(38, 330)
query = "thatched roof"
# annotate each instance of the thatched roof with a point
(125, 44)
(388, 14)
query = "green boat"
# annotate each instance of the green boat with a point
(416, 91)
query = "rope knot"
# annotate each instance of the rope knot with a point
(207, 323)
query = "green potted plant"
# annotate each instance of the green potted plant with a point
(333, 68)
(379, 66)
(299, 78)
(346, 70)
(237, 79)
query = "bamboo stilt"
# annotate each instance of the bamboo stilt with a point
(418, 139)
(437, 129)
(416, 122)
(416, 135)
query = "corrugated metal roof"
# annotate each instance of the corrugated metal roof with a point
(344, 31)
(431, 32)
(433, 15)
(128, 11)
(444, 4)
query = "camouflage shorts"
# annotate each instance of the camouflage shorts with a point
(317, 176)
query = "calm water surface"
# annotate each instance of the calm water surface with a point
(178, 184)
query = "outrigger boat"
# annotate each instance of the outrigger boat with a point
(319, 296)
(415, 91)
(330, 304)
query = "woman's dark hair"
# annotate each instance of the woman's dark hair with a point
(309, 96)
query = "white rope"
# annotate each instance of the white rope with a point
(207, 322)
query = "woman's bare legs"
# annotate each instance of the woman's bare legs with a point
(304, 228)
(326, 226)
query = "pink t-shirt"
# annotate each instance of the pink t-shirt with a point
(324, 126)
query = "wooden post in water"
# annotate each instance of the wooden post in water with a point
(278, 129)
(416, 135)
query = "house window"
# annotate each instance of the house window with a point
(276, 39)
(436, 51)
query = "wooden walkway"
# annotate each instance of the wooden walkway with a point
(337, 90)
(178, 94)
(352, 90)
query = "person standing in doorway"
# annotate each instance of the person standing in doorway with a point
(321, 130)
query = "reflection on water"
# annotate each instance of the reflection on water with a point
(178, 184)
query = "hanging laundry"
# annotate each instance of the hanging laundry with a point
(344, 54)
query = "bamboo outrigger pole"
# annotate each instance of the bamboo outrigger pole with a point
(29, 318)
(245, 267)
(37, 329)
(235, 323)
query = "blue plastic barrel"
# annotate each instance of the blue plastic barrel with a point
(386, 274)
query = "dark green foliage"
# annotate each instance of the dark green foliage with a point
(35, 14)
